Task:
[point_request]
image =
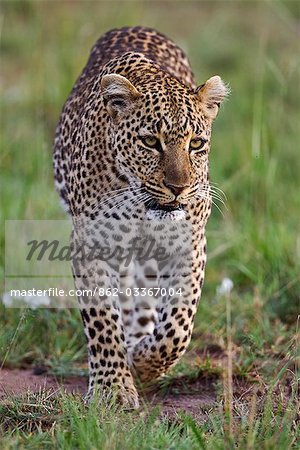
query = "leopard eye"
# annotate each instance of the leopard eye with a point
(151, 142)
(197, 144)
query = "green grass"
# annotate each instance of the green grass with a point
(42, 421)
(256, 242)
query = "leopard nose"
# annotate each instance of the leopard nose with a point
(175, 189)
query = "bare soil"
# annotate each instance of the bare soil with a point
(182, 395)
(16, 382)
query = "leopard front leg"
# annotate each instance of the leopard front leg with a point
(109, 371)
(154, 355)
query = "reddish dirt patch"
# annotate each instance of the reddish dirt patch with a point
(195, 405)
(186, 395)
(16, 382)
(192, 397)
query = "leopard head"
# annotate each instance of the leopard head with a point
(161, 131)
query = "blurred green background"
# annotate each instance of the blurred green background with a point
(255, 152)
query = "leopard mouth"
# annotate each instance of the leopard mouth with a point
(167, 207)
(171, 211)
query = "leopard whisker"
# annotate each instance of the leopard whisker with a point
(117, 196)
(213, 197)
(219, 196)
(200, 195)
(122, 202)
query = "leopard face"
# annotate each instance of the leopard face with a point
(160, 135)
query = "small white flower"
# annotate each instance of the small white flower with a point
(35, 301)
(32, 301)
(7, 299)
(225, 287)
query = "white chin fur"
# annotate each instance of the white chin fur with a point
(153, 214)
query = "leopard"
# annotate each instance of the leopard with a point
(131, 158)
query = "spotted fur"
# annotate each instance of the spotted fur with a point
(132, 145)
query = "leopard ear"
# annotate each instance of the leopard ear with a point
(118, 93)
(212, 94)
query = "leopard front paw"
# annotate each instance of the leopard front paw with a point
(126, 397)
